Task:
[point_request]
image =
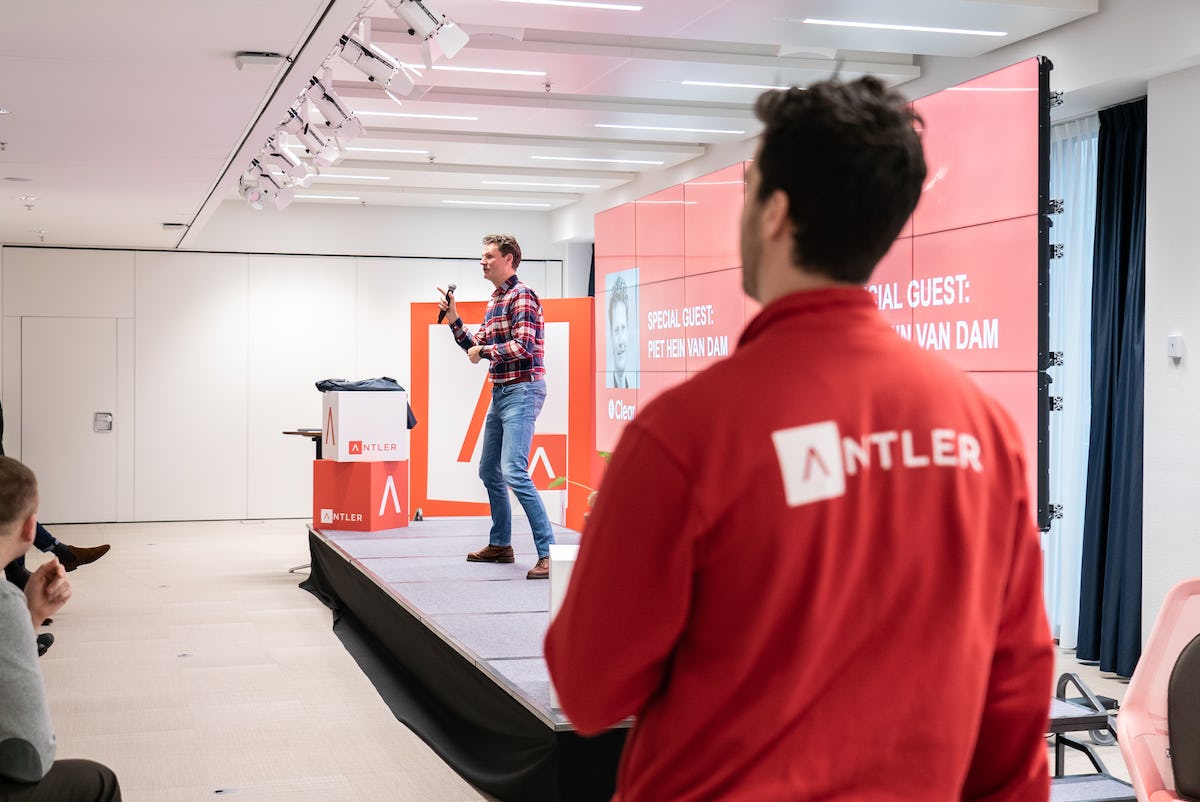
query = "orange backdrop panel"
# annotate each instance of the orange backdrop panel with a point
(576, 317)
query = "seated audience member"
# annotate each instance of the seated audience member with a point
(28, 770)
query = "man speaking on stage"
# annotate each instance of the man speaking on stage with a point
(512, 339)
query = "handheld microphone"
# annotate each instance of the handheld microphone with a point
(449, 295)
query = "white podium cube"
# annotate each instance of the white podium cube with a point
(364, 426)
(562, 560)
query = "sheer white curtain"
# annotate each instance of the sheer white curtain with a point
(1073, 180)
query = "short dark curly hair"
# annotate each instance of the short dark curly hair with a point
(849, 159)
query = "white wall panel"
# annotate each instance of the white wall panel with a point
(533, 273)
(52, 282)
(12, 386)
(472, 286)
(312, 228)
(4, 335)
(302, 329)
(191, 365)
(68, 377)
(127, 410)
(555, 280)
(218, 353)
(386, 290)
(1171, 460)
(577, 270)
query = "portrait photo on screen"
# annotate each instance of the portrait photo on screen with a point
(621, 349)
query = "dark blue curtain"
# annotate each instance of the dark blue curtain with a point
(592, 274)
(1110, 593)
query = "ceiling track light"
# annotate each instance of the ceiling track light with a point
(261, 188)
(345, 126)
(291, 165)
(264, 177)
(327, 103)
(378, 66)
(324, 151)
(430, 28)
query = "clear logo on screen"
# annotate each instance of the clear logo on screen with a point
(619, 410)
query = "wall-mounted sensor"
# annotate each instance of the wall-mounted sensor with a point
(1175, 346)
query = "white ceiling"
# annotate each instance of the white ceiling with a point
(128, 114)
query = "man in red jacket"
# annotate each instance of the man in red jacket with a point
(812, 572)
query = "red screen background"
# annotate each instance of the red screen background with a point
(961, 280)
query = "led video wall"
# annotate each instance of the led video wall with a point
(966, 278)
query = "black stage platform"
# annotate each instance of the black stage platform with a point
(455, 648)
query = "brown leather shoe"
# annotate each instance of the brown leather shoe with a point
(541, 570)
(491, 554)
(83, 556)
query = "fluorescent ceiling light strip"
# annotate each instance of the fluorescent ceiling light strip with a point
(496, 203)
(723, 85)
(886, 27)
(407, 114)
(539, 184)
(356, 177)
(386, 150)
(662, 128)
(578, 4)
(330, 197)
(584, 159)
(497, 71)
(991, 89)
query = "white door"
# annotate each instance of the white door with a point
(68, 387)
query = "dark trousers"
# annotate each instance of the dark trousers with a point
(67, 781)
(15, 571)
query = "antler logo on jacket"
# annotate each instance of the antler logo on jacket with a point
(815, 459)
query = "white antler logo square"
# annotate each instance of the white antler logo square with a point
(810, 459)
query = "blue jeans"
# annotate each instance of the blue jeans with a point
(504, 463)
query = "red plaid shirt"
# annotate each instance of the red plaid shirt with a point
(513, 333)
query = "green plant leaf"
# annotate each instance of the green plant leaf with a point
(559, 482)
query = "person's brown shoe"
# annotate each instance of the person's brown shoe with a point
(541, 570)
(492, 554)
(83, 556)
